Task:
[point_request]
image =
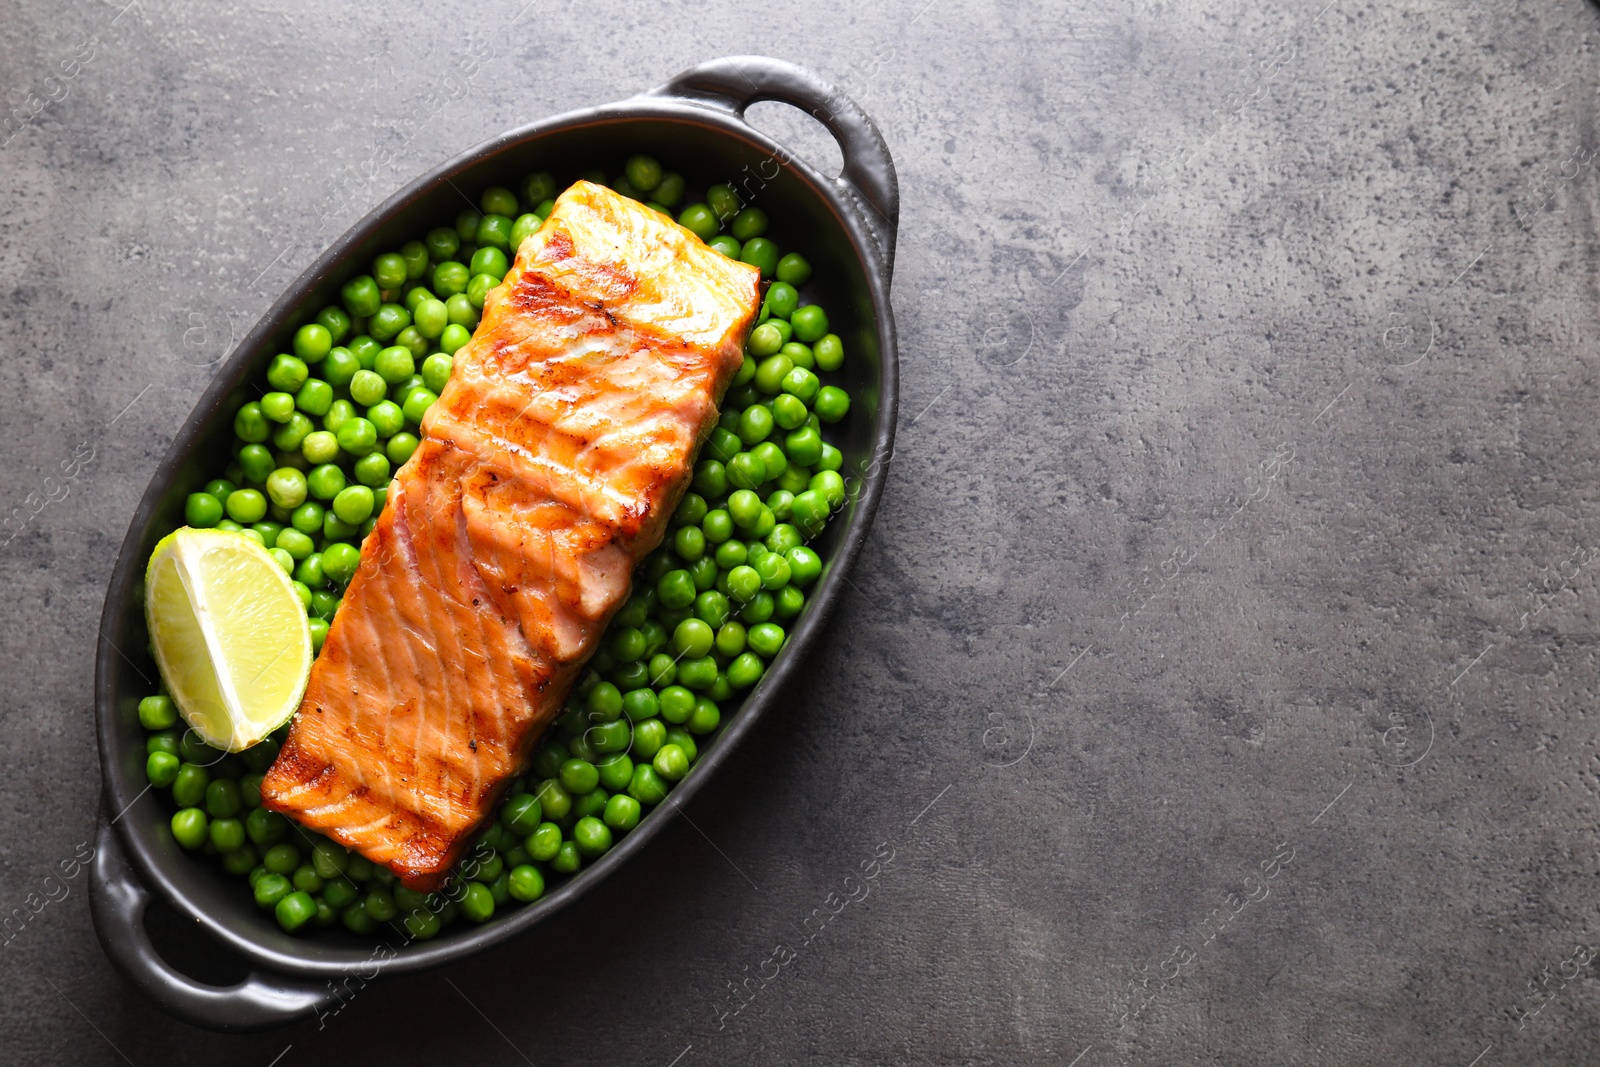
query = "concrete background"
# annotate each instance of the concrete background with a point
(1220, 668)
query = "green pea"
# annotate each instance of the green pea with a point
(525, 226)
(287, 373)
(546, 206)
(498, 200)
(728, 246)
(286, 487)
(781, 500)
(622, 812)
(239, 861)
(389, 271)
(730, 639)
(353, 504)
(765, 340)
(832, 459)
(189, 827)
(755, 424)
(325, 481)
(256, 462)
(281, 858)
(773, 460)
(648, 786)
(554, 798)
(477, 904)
(251, 424)
(699, 220)
(543, 842)
(706, 718)
(832, 403)
(271, 889)
(339, 892)
(676, 589)
(592, 836)
(293, 909)
(157, 712)
(522, 814)
(567, 859)
(801, 354)
(616, 770)
(693, 637)
(774, 572)
(781, 300)
(463, 312)
(335, 321)
(830, 486)
(372, 471)
(829, 351)
(394, 365)
(292, 434)
(417, 404)
(669, 190)
(788, 602)
(759, 608)
(339, 562)
(315, 397)
(387, 323)
(380, 905)
(810, 323)
(431, 318)
(368, 387)
(590, 804)
(743, 583)
(579, 776)
(277, 406)
(749, 223)
(161, 768)
(306, 879)
(307, 518)
(222, 801)
(442, 243)
(759, 252)
(804, 446)
(361, 296)
(746, 471)
(643, 171)
(623, 186)
(745, 670)
(772, 371)
(220, 488)
(527, 884)
(451, 278)
(478, 289)
(794, 269)
(801, 383)
(711, 608)
(671, 762)
(454, 337)
(329, 859)
(724, 201)
(488, 261)
(604, 703)
(805, 566)
(663, 670)
(467, 224)
(312, 342)
(677, 704)
(400, 447)
(436, 371)
(246, 506)
(611, 736)
(164, 741)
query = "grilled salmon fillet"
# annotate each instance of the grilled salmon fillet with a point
(549, 466)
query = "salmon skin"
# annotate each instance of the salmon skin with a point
(549, 465)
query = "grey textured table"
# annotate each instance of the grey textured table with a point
(1219, 668)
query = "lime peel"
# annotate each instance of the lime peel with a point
(229, 634)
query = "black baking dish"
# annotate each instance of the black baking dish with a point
(694, 124)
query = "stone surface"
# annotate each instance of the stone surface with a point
(1220, 664)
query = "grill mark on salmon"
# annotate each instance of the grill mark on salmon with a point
(548, 467)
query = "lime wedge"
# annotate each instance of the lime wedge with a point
(229, 635)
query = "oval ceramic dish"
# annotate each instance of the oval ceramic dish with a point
(694, 124)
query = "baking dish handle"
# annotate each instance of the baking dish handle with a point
(117, 902)
(735, 82)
